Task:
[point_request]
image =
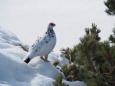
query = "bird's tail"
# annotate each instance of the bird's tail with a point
(27, 60)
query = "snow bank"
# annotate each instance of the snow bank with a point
(53, 57)
(14, 72)
(44, 68)
(8, 37)
(17, 73)
(75, 83)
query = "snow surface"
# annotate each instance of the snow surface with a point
(14, 72)
(63, 60)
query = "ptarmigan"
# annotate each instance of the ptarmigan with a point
(43, 46)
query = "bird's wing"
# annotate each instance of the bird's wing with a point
(35, 44)
(38, 47)
(34, 48)
(39, 42)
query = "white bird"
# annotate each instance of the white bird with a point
(43, 45)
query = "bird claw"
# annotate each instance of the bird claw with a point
(44, 59)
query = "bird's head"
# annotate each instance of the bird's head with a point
(52, 24)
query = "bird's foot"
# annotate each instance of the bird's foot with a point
(44, 59)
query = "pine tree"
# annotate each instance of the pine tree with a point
(88, 46)
(94, 61)
(111, 11)
(68, 53)
(58, 81)
(112, 36)
(110, 7)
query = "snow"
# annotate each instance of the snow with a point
(63, 60)
(42, 66)
(14, 72)
(8, 37)
(75, 83)
(53, 57)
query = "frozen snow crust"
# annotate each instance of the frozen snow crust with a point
(14, 72)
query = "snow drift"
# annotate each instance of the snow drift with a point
(14, 72)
